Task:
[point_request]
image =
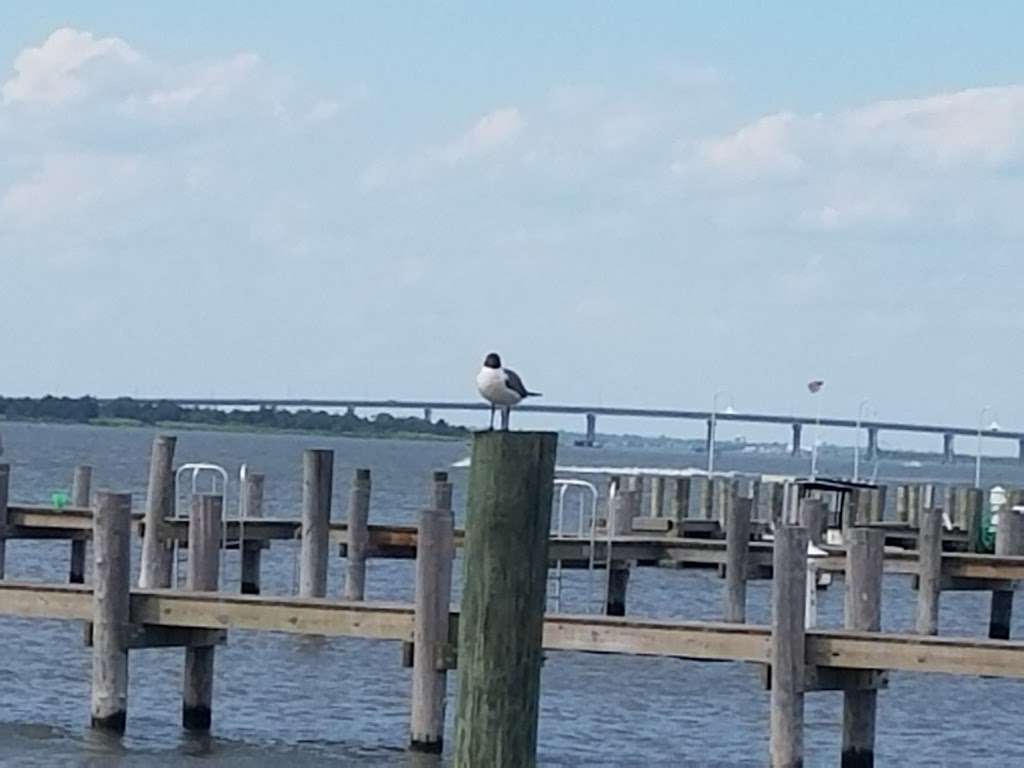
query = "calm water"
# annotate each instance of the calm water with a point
(285, 699)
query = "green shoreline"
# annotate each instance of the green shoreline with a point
(187, 426)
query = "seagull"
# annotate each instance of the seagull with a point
(501, 387)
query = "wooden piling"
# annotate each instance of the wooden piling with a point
(317, 489)
(902, 504)
(1009, 541)
(950, 506)
(657, 496)
(973, 506)
(913, 504)
(726, 492)
(776, 500)
(623, 509)
(679, 508)
(435, 551)
(505, 575)
(442, 491)
(204, 534)
(876, 513)
(707, 499)
(865, 552)
(789, 561)
(5, 484)
(81, 487)
(358, 536)
(737, 549)
(157, 554)
(814, 517)
(252, 551)
(111, 545)
(929, 570)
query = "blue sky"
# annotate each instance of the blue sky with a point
(636, 204)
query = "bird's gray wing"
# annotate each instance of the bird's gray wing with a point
(513, 382)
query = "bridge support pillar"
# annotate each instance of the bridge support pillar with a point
(797, 429)
(872, 451)
(591, 440)
(427, 415)
(948, 454)
(1020, 450)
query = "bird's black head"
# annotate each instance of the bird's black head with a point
(492, 361)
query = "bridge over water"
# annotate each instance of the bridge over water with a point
(591, 412)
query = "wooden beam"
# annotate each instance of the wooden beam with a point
(711, 641)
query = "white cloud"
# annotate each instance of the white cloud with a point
(489, 133)
(889, 163)
(76, 194)
(769, 146)
(213, 82)
(58, 70)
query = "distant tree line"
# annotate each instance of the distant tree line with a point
(89, 409)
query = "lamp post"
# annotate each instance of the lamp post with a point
(861, 411)
(713, 424)
(814, 387)
(981, 426)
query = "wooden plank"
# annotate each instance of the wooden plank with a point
(715, 641)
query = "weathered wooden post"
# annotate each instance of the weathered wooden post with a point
(1009, 541)
(157, 550)
(789, 561)
(111, 544)
(657, 496)
(737, 548)
(865, 551)
(442, 491)
(622, 510)
(776, 500)
(502, 617)
(252, 550)
(974, 506)
(727, 490)
(707, 499)
(679, 507)
(877, 508)
(358, 536)
(752, 491)
(81, 487)
(814, 517)
(913, 504)
(204, 533)
(949, 505)
(5, 484)
(317, 489)
(435, 550)
(902, 504)
(929, 571)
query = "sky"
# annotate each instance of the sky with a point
(635, 204)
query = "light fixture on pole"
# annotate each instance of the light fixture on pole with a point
(981, 426)
(712, 426)
(862, 409)
(814, 387)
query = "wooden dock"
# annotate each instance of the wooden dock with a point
(507, 553)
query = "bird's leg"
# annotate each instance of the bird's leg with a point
(506, 413)
(491, 428)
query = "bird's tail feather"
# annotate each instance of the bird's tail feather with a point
(534, 394)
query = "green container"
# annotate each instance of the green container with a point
(60, 500)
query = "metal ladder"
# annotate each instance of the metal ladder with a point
(183, 509)
(584, 512)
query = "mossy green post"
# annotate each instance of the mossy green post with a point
(502, 616)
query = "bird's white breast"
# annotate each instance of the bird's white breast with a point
(490, 382)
